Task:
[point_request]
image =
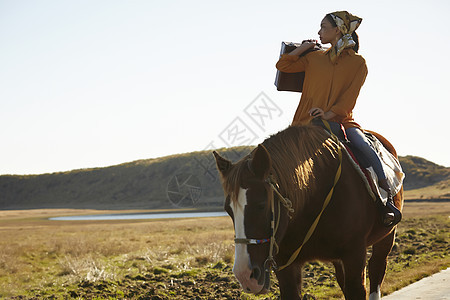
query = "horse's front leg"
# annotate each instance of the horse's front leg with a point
(340, 274)
(355, 274)
(290, 281)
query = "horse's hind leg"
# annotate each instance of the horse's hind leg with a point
(378, 263)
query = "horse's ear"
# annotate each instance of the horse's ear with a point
(223, 165)
(261, 162)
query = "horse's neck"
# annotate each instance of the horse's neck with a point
(311, 185)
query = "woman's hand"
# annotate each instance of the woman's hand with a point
(318, 112)
(306, 45)
(310, 42)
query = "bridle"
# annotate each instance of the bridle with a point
(270, 263)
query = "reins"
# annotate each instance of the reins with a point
(325, 204)
(270, 261)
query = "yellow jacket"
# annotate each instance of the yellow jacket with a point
(327, 86)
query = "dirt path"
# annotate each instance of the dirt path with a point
(434, 287)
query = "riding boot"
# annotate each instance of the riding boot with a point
(391, 215)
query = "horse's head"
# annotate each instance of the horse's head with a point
(248, 196)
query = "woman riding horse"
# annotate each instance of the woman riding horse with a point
(293, 199)
(332, 84)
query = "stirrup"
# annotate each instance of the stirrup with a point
(393, 216)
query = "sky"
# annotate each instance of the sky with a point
(95, 83)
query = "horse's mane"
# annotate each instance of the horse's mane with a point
(296, 153)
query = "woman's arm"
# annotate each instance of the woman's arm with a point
(346, 102)
(291, 62)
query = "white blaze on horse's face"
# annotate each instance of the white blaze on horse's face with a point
(242, 266)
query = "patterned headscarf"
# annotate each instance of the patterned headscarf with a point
(347, 24)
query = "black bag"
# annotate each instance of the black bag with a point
(292, 82)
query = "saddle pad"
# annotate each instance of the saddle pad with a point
(391, 167)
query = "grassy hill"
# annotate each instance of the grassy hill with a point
(422, 173)
(184, 180)
(425, 179)
(142, 184)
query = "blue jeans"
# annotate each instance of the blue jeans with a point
(359, 140)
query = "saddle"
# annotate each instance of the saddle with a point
(339, 131)
(362, 165)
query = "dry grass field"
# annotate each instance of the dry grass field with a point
(176, 259)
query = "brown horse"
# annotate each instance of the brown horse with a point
(277, 192)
